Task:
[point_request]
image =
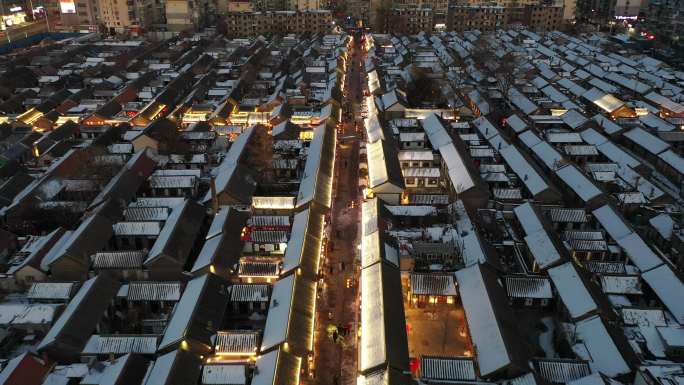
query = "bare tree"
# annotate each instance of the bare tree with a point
(423, 89)
(482, 53)
(505, 73)
(259, 156)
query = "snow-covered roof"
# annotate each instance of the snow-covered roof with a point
(634, 316)
(532, 180)
(528, 286)
(51, 290)
(27, 314)
(572, 290)
(221, 374)
(663, 224)
(237, 342)
(184, 312)
(621, 284)
(492, 348)
(249, 292)
(432, 284)
(436, 132)
(89, 302)
(276, 367)
(609, 149)
(561, 371)
(121, 344)
(573, 119)
(537, 239)
(647, 141)
(517, 124)
(316, 183)
(447, 369)
(521, 101)
(637, 250)
(374, 130)
(459, 176)
(153, 291)
(290, 313)
(607, 125)
(578, 182)
(664, 102)
(598, 347)
(674, 160)
(656, 123)
(383, 165)
(412, 211)
(179, 365)
(665, 283)
(384, 340)
(604, 101)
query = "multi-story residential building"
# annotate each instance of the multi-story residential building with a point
(303, 5)
(267, 5)
(410, 20)
(604, 11)
(482, 17)
(186, 14)
(279, 22)
(627, 9)
(543, 17)
(236, 6)
(359, 10)
(79, 14)
(123, 15)
(665, 19)
(438, 7)
(569, 10)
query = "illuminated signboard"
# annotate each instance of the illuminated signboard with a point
(67, 6)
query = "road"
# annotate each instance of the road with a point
(338, 304)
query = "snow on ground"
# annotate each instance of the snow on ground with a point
(546, 338)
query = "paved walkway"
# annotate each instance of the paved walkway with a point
(338, 304)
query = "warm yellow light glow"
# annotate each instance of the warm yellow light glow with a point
(158, 110)
(306, 135)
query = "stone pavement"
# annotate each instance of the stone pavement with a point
(338, 302)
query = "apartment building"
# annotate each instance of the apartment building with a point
(124, 15)
(665, 19)
(279, 22)
(410, 20)
(187, 14)
(303, 5)
(604, 11)
(483, 18)
(236, 6)
(79, 14)
(439, 8)
(543, 18)
(267, 5)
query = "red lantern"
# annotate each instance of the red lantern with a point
(414, 365)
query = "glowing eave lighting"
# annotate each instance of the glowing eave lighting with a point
(235, 354)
